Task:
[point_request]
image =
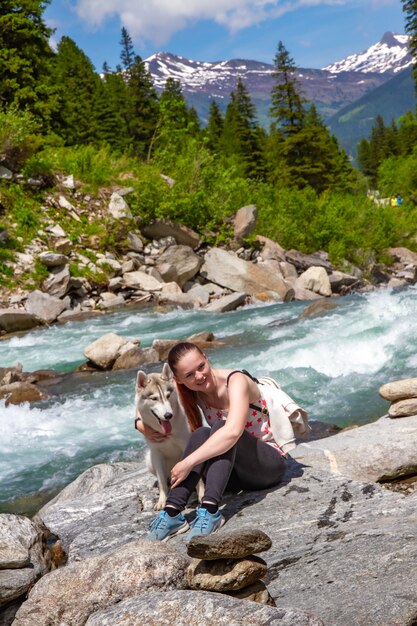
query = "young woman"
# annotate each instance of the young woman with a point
(237, 450)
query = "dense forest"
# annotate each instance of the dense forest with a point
(59, 114)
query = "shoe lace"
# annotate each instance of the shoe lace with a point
(158, 522)
(202, 519)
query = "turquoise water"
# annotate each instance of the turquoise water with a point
(332, 365)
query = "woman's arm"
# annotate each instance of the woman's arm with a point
(223, 439)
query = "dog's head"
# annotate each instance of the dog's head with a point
(156, 399)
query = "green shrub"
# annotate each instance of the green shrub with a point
(19, 138)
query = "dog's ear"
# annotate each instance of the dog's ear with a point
(141, 379)
(167, 372)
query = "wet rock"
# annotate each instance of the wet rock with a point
(226, 303)
(229, 544)
(21, 391)
(104, 351)
(317, 308)
(339, 281)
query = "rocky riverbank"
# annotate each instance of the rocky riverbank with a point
(337, 546)
(162, 263)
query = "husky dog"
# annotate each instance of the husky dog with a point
(158, 405)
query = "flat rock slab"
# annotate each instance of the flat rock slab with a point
(343, 550)
(229, 544)
(197, 608)
(383, 450)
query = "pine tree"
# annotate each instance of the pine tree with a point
(127, 55)
(410, 10)
(77, 82)
(286, 101)
(109, 123)
(214, 128)
(241, 133)
(25, 57)
(142, 107)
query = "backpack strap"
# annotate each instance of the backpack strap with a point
(241, 372)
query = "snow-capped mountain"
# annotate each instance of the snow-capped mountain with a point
(199, 75)
(390, 55)
(330, 88)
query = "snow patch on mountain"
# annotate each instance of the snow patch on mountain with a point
(390, 55)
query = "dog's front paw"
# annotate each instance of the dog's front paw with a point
(160, 504)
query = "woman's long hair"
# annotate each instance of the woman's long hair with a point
(188, 397)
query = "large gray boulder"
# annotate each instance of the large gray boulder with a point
(141, 280)
(197, 608)
(118, 207)
(23, 556)
(228, 270)
(104, 351)
(165, 228)
(14, 320)
(343, 550)
(315, 279)
(245, 221)
(70, 594)
(44, 306)
(105, 507)
(57, 283)
(185, 261)
(383, 450)
(226, 303)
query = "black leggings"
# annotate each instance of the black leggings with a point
(250, 464)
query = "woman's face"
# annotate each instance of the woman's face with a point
(193, 370)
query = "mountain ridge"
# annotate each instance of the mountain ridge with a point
(332, 88)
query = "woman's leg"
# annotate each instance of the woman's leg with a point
(257, 465)
(219, 469)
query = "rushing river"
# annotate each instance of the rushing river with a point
(332, 365)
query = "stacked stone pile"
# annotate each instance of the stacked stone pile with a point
(403, 397)
(226, 563)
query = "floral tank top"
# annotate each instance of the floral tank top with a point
(257, 422)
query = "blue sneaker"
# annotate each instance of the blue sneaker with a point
(163, 526)
(205, 523)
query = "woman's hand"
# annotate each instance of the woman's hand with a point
(180, 472)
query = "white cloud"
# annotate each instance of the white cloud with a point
(158, 20)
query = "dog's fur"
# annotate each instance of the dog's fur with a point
(158, 405)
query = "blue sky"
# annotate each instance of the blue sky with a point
(315, 32)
